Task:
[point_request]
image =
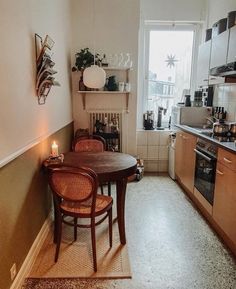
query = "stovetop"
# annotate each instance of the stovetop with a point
(221, 137)
(227, 142)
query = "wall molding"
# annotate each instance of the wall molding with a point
(32, 254)
(31, 144)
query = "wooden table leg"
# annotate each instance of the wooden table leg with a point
(120, 198)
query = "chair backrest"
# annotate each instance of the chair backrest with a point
(75, 185)
(89, 144)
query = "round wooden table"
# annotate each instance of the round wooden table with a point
(110, 167)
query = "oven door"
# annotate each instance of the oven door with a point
(205, 170)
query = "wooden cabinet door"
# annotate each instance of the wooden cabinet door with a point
(189, 144)
(179, 154)
(185, 159)
(224, 207)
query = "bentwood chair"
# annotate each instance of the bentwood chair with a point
(75, 195)
(91, 143)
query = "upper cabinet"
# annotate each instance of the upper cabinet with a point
(204, 53)
(217, 56)
(217, 59)
(204, 58)
(219, 49)
(232, 45)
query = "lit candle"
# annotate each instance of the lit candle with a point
(54, 149)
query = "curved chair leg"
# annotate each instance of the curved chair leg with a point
(58, 237)
(110, 226)
(101, 187)
(93, 235)
(109, 188)
(75, 229)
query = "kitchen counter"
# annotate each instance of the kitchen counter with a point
(230, 146)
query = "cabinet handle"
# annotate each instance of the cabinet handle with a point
(180, 135)
(205, 79)
(227, 161)
(219, 172)
(185, 137)
(213, 78)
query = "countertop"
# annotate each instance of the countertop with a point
(230, 146)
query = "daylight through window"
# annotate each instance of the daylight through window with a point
(169, 68)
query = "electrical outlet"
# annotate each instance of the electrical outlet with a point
(13, 271)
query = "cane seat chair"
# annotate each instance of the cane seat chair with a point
(75, 196)
(91, 143)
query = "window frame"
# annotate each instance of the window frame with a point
(168, 26)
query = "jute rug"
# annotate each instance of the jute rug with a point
(75, 258)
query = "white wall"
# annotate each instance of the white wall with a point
(22, 121)
(218, 9)
(173, 10)
(116, 30)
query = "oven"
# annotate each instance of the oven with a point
(205, 169)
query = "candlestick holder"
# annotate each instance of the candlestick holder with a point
(56, 159)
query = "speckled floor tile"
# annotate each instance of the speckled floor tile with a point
(170, 245)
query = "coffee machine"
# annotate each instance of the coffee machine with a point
(148, 120)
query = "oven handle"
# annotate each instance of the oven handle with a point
(204, 156)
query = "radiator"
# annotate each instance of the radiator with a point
(109, 126)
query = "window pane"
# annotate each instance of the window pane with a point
(170, 57)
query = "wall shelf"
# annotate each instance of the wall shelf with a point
(116, 68)
(102, 92)
(84, 93)
(125, 71)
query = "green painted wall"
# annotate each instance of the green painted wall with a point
(25, 202)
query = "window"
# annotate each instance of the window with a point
(168, 62)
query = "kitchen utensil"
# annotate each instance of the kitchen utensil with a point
(220, 128)
(231, 19)
(232, 129)
(219, 27)
(148, 120)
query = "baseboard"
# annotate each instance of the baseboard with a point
(32, 254)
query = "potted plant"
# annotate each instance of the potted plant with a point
(84, 59)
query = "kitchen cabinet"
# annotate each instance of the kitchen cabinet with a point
(219, 48)
(224, 208)
(203, 64)
(122, 74)
(185, 159)
(232, 45)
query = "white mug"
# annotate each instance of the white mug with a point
(127, 87)
(121, 86)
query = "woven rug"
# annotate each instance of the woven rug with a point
(75, 258)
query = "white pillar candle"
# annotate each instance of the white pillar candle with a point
(55, 149)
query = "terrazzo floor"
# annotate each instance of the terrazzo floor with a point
(170, 245)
